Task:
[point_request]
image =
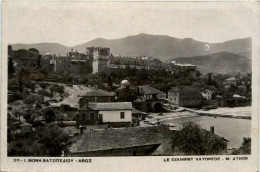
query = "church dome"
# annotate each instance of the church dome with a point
(124, 83)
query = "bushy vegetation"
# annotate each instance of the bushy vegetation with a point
(45, 93)
(193, 140)
(44, 85)
(57, 88)
(29, 84)
(49, 116)
(31, 99)
(10, 66)
(245, 149)
(49, 140)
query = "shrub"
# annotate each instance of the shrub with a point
(245, 149)
(29, 84)
(31, 99)
(57, 88)
(45, 93)
(193, 140)
(49, 116)
(44, 85)
(47, 141)
(27, 116)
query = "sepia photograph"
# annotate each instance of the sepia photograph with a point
(126, 79)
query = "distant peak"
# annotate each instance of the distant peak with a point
(99, 39)
(188, 39)
(143, 34)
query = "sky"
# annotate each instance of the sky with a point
(72, 24)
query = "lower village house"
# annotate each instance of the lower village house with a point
(185, 96)
(134, 141)
(116, 114)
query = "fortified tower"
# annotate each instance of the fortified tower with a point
(100, 56)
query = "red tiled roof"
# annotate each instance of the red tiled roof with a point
(149, 90)
(111, 106)
(184, 89)
(118, 138)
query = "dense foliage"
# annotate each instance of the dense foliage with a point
(49, 140)
(10, 66)
(245, 149)
(49, 115)
(193, 140)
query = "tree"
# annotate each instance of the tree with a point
(53, 139)
(209, 78)
(49, 116)
(39, 61)
(46, 141)
(30, 99)
(57, 88)
(193, 140)
(10, 66)
(109, 81)
(27, 116)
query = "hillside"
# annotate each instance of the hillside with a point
(223, 62)
(166, 47)
(53, 48)
(159, 46)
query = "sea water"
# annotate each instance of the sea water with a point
(232, 129)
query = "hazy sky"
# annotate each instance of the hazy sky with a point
(76, 23)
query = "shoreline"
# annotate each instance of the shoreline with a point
(211, 113)
(219, 115)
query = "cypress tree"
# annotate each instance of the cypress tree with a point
(10, 66)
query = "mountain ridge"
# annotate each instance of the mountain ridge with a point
(163, 47)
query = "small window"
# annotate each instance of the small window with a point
(122, 115)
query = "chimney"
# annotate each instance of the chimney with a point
(212, 129)
(82, 127)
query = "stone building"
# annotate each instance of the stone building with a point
(148, 92)
(229, 82)
(55, 64)
(126, 92)
(207, 94)
(81, 63)
(100, 56)
(185, 96)
(149, 99)
(134, 141)
(80, 66)
(74, 54)
(116, 114)
(99, 96)
(137, 63)
(181, 69)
